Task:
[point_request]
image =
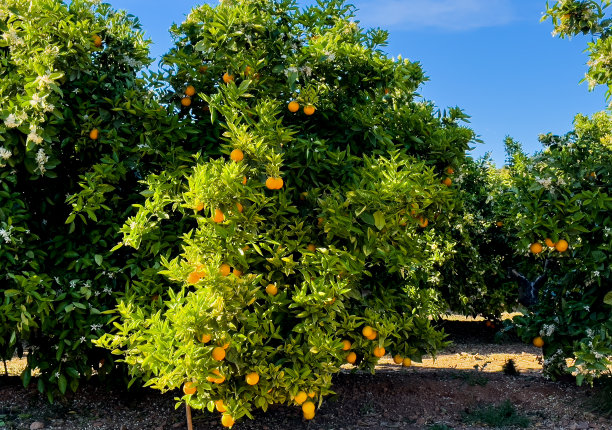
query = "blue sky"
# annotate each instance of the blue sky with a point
(492, 58)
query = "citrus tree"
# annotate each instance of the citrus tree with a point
(311, 223)
(562, 199)
(78, 130)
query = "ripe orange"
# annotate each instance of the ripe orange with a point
(239, 207)
(293, 106)
(320, 221)
(189, 388)
(309, 416)
(218, 217)
(308, 407)
(199, 206)
(536, 247)
(274, 183)
(407, 362)
(351, 357)
(423, 222)
(237, 155)
(97, 40)
(379, 351)
(561, 245)
(311, 247)
(186, 101)
(367, 331)
(252, 378)
(450, 170)
(218, 380)
(203, 69)
(227, 78)
(549, 242)
(93, 134)
(398, 359)
(311, 394)
(224, 269)
(218, 353)
(538, 342)
(447, 181)
(309, 110)
(300, 397)
(190, 90)
(271, 289)
(244, 180)
(205, 338)
(237, 273)
(346, 345)
(227, 420)
(194, 277)
(220, 405)
(499, 223)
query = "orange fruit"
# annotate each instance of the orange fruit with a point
(227, 420)
(97, 40)
(194, 277)
(274, 183)
(93, 134)
(309, 110)
(423, 222)
(407, 362)
(351, 357)
(320, 221)
(237, 155)
(311, 247)
(218, 380)
(536, 247)
(499, 223)
(220, 405)
(199, 206)
(308, 407)
(205, 338)
(293, 106)
(538, 342)
(447, 181)
(549, 242)
(247, 70)
(346, 345)
(218, 217)
(186, 101)
(386, 90)
(239, 207)
(227, 78)
(190, 90)
(300, 397)
(237, 273)
(449, 170)
(189, 388)
(244, 180)
(252, 378)
(379, 351)
(562, 245)
(271, 289)
(218, 353)
(224, 269)
(367, 331)
(398, 359)
(203, 69)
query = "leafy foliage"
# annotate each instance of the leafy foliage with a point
(271, 280)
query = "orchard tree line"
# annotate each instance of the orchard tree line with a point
(274, 202)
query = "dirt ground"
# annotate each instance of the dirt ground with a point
(430, 395)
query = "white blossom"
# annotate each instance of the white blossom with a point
(41, 159)
(11, 121)
(6, 234)
(5, 154)
(36, 138)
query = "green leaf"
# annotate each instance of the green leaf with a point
(98, 258)
(62, 384)
(608, 298)
(379, 220)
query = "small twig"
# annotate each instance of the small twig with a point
(5, 368)
(189, 421)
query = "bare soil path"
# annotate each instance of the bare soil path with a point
(438, 395)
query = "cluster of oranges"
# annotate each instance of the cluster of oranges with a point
(447, 181)
(294, 106)
(378, 351)
(560, 246)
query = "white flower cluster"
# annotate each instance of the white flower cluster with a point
(544, 182)
(547, 330)
(5, 154)
(37, 139)
(41, 159)
(6, 233)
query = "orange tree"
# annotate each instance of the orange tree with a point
(475, 280)
(311, 222)
(562, 198)
(78, 129)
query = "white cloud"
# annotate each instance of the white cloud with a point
(452, 15)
